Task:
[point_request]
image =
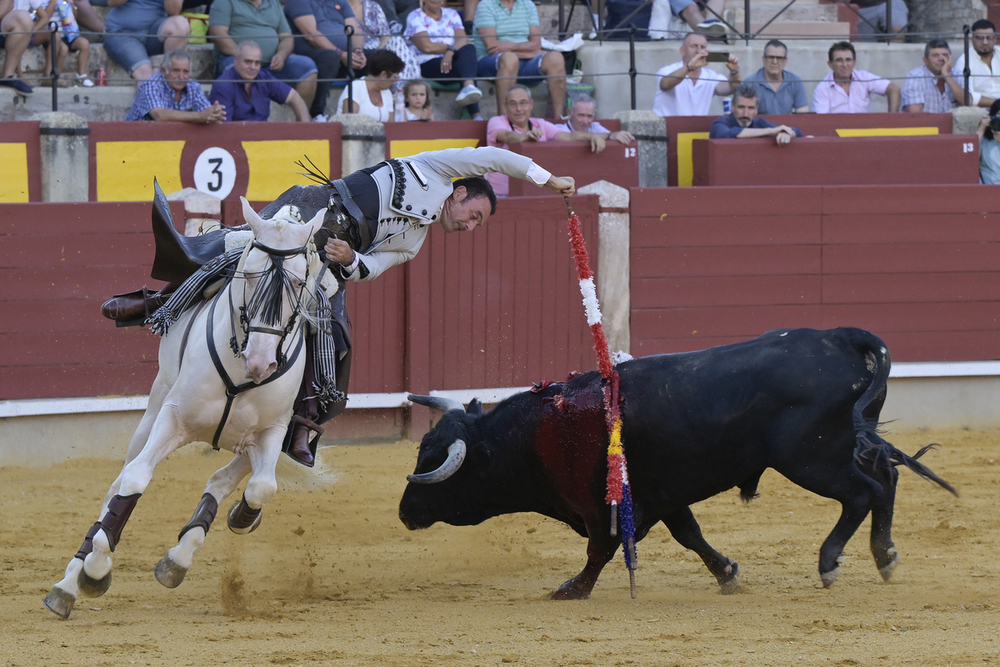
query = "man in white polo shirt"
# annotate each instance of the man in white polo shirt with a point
(686, 88)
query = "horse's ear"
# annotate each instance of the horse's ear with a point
(316, 222)
(250, 215)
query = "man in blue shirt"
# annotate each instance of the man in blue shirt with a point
(778, 91)
(743, 122)
(246, 91)
(170, 94)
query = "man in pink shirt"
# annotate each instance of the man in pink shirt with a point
(518, 125)
(845, 90)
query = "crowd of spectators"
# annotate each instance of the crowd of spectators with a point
(290, 52)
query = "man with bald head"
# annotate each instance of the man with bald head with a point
(686, 88)
(246, 90)
(582, 113)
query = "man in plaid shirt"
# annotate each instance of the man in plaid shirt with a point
(171, 95)
(933, 87)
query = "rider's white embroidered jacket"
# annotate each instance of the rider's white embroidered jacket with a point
(425, 184)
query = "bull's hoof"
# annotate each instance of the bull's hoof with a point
(570, 591)
(243, 520)
(169, 573)
(730, 582)
(831, 575)
(887, 569)
(59, 602)
(93, 588)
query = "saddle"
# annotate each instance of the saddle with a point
(178, 256)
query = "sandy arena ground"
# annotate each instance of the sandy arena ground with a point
(333, 578)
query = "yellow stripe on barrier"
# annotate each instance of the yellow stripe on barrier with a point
(685, 159)
(273, 169)
(887, 131)
(408, 147)
(13, 173)
(125, 169)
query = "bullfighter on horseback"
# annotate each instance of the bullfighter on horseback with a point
(375, 218)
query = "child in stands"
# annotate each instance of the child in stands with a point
(76, 42)
(417, 98)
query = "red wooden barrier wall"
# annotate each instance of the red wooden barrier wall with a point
(932, 160)
(58, 264)
(498, 307)
(819, 125)
(917, 265)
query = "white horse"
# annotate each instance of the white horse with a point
(205, 392)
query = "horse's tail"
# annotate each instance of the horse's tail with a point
(871, 446)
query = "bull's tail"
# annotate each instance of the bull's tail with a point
(871, 446)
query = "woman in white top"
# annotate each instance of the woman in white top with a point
(444, 51)
(371, 94)
(379, 33)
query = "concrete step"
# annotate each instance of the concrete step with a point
(33, 63)
(803, 29)
(111, 103)
(762, 11)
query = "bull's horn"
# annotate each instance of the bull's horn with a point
(437, 402)
(456, 454)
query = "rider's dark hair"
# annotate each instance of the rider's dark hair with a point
(477, 186)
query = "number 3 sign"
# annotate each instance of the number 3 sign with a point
(215, 172)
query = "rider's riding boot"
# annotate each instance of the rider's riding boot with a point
(134, 308)
(300, 448)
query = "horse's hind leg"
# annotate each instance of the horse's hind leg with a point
(172, 568)
(685, 529)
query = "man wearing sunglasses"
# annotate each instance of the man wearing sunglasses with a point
(778, 91)
(985, 65)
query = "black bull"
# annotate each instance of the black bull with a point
(803, 402)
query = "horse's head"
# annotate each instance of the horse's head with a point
(275, 269)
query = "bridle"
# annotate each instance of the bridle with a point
(267, 299)
(268, 296)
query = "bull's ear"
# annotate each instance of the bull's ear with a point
(475, 407)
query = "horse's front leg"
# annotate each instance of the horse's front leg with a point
(244, 517)
(172, 568)
(89, 573)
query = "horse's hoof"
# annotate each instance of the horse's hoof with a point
(93, 588)
(169, 573)
(59, 602)
(731, 583)
(242, 520)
